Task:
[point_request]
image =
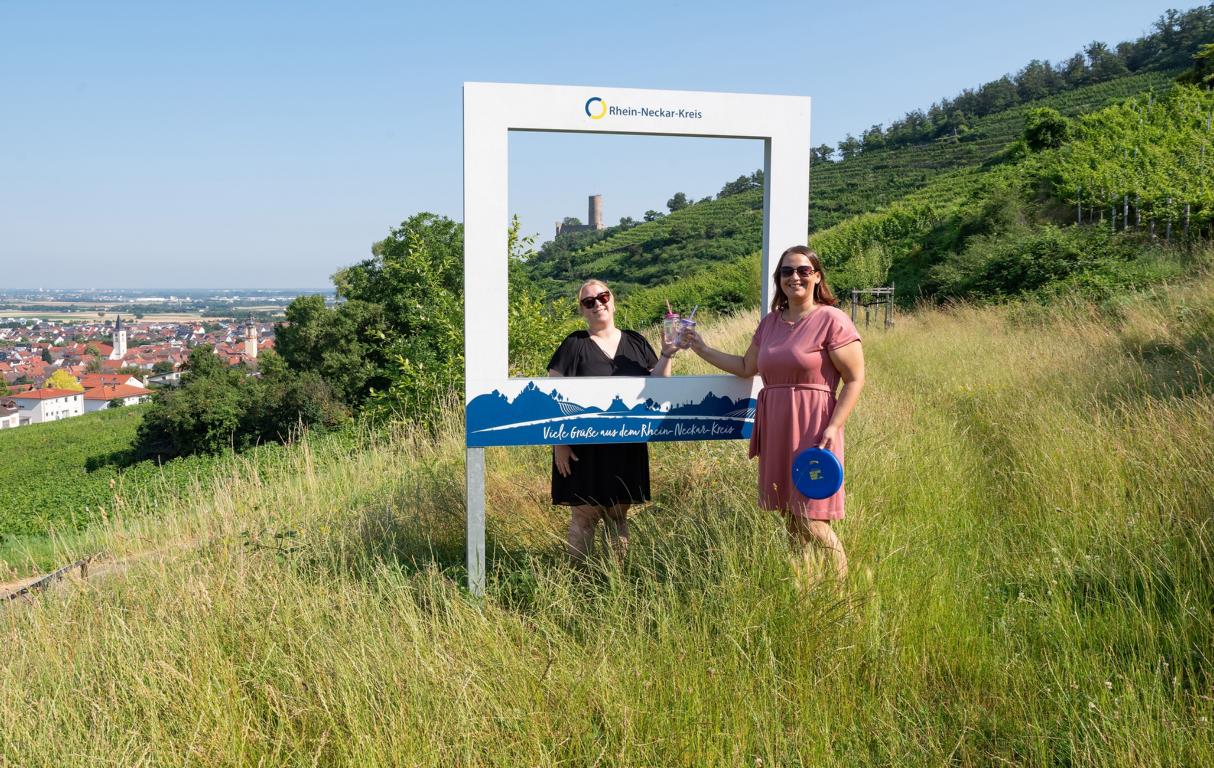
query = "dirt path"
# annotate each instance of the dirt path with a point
(91, 567)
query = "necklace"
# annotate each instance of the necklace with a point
(799, 317)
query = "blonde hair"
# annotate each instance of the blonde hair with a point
(591, 282)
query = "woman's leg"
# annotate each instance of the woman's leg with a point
(814, 539)
(616, 517)
(582, 520)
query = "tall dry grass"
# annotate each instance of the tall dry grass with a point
(1029, 511)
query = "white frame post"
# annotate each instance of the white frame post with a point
(530, 411)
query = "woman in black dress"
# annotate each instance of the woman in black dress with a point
(601, 481)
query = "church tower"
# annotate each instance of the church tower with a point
(250, 338)
(119, 341)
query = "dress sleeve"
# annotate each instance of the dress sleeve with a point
(649, 358)
(757, 339)
(842, 330)
(564, 359)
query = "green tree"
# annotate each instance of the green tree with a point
(822, 153)
(395, 340)
(218, 408)
(652, 215)
(344, 345)
(163, 366)
(201, 363)
(1045, 128)
(849, 147)
(1202, 72)
(678, 202)
(1036, 80)
(873, 138)
(1103, 64)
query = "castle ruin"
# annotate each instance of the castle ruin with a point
(594, 217)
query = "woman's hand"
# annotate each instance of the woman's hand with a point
(690, 338)
(668, 349)
(829, 436)
(563, 454)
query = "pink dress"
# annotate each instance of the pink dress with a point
(796, 403)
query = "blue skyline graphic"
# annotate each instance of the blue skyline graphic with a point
(536, 417)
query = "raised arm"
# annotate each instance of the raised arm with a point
(665, 361)
(744, 366)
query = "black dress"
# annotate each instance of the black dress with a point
(611, 473)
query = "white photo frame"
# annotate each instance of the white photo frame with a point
(501, 410)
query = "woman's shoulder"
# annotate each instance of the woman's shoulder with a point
(637, 338)
(581, 335)
(838, 327)
(771, 318)
(834, 313)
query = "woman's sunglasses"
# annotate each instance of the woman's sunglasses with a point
(802, 271)
(602, 298)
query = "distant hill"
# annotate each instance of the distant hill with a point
(722, 235)
(873, 179)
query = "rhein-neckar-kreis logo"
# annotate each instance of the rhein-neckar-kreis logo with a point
(596, 109)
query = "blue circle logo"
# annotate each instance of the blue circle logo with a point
(591, 108)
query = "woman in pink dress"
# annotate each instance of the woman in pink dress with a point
(803, 348)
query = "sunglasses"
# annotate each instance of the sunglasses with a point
(802, 271)
(602, 298)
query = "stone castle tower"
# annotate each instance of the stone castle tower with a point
(119, 350)
(594, 218)
(250, 338)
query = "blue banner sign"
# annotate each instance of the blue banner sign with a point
(539, 417)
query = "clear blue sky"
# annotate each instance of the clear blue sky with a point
(242, 144)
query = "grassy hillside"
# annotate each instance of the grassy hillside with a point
(59, 477)
(1029, 497)
(56, 475)
(874, 179)
(728, 229)
(992, 231)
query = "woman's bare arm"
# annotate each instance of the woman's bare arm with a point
(849, 361)
(744, 366)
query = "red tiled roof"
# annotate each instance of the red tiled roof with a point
(115, 392)
(91, 380)
(43, 394)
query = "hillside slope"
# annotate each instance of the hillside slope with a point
(727, 229)
(1028, 525)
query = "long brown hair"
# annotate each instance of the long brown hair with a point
(822, 294)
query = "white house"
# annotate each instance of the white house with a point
(104, 396)
(9, 416)
(41, 405)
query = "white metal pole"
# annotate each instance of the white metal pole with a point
(475, 464)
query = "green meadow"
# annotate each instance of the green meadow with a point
(1030, 490)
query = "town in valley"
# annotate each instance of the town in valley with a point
(66, 353)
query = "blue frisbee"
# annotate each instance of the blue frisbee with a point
(816, 473)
